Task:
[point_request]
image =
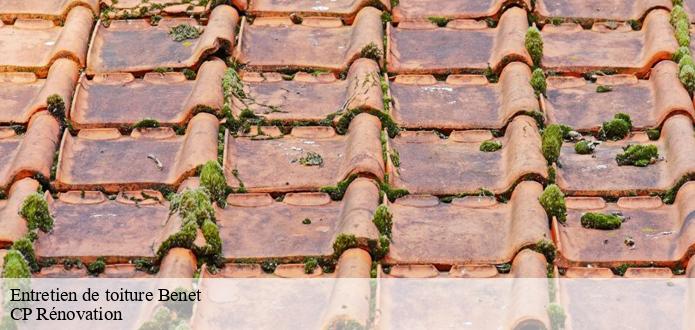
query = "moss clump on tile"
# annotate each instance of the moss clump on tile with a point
(504, 268)
(193, 204)
(601, 221)
(391, 193)
(395, 158)
(386, 17)
(146, 123)
(56, 107)
(490, 146)
(372, 51)
(35, 210)
(534, 44)
(269, 266)
(379, 248)
(557, 316)
(183, 32)
(683, 33)
(639, 155)
(338, 191)
(26, 248)
(386, 122)
(97, 267)
(440, 21)
(547, 248)
(343, 242)
(552, 142)
(183, 238)
(603, 89)
(189, 74)
(687, 75)
(311, 159)
(553, 201)
(212, 251)
(680, 53)
(383, 220)
(538, 82)
(616, 129)
(654, 133)
(584, 147)
(310, 265)
(15, 266)
(212, 179)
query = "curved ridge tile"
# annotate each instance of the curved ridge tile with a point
(586, 175)
(463, 101)
(347, 10)
(575, 102)
(12, 225)
(273, 165)
(270, 44)
(460, 47)
(570, 49)
(136, 46)
(308, 97)
(455, 234)
(119, 100)
(34, 45)
(55, 10)
(420, 10)
(103, 159)
(430, 165)
(599, 10)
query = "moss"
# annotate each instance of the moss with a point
(15, 266)
(26, 248)
(193, 204)
(97, 267)
(553, 201)
(552, 142)
(383, 220)
(654, 133)
(372, 51)
(35, 211)
(670, 195)
(639, 155)
(687, 76)
(616, 129)
(547, 248)
(603, 89)
(386, 122)
(189, 74)
(146, 123)
(538, 82)
(161, 69)
(145, 265)
(56, 107)
(601, 221)
(680, 53)
(491, 75)
(343, 242)
(212, 179)
(379, 248)
(269, 265)
(583, 147)
(395, 158)
(534, 44)
(621, 270)
(391, 193)
(306, 221)
(345, 324)
(678, 14)
(557, 316)
(311, 159)
(504, 268)
(683, 33)
(552, 174)
(183, 32)
(490, 146)
(183, 238)
(338, 191)
(386, 17)
(685, 61)
(232, 85)
(212, 251)
(440, 21)
(310, 265)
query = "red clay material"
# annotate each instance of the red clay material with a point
(273, 43)
(87, 226)
(34, 45)
(119, 100)
(347, 9)
(303, 224)
(29, 154)
(310, 97)
(134, 8)
(598, 10)
(599, 174)
(462, 46)
(274, 165)
(463, 101)
(575, 102)
(149, 158)
(136, 46)
(431, 165)
(12, 225)
(421, 10)
(470, 230)
(570, 49)
(55, 10)
(22, 94)
(652, 234)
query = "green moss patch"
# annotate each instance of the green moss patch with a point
(383, 220)
(584, 147)
(534, 44)
(35, 210)
(212, 179)
(680, 53)
(15, 266)
(603, 89)
(639, 155)
(310, 265)
(440, 21)
(538, 82)
(616, 129)
(553, 201)
(372, 51)
(147, 123)
(97, 267)
(56, 107)
(547, 248)
(193, 204)
(338, 191)
(552, 142)
(490, 146)
(601, 221)
(311, 159)
(343, 242)
(183, 32)
(26, 248)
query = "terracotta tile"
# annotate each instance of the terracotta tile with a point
(689, 6)
(517, 301)
(598, 174)
(420, 10)
(660, 234)
(29, 154)
(256, 226)
(136, 46)
(461, 47)
(12, 225)
(273, 165)
(34, 45)
(120, 100)
(22, 94)
(311, 98)
(470, 230)
(463, 101)
(318, 43)
(130, 8)
(570, 49)
(347, 10)
(575, 102)
(85, 158)
(56, 10)
(90, 226)
(178, 263)
(598, 10)
(431, 165)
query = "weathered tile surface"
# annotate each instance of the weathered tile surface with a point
(56, 10)
(462, 46)
(274, 165)
(598, 10)
(136, 46)
(347, 9)
(431, 165)
(421, 10)
(133, 161)
(271, 44)
(576, 102)
(463, 101)
(12, 225)
(120, 100)
(139, 8)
